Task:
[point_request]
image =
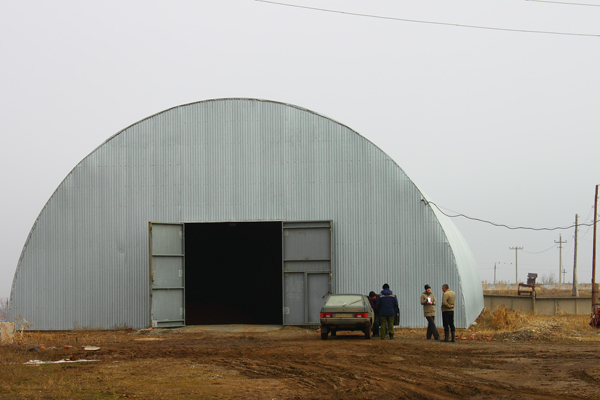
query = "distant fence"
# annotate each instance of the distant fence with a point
(541, 306)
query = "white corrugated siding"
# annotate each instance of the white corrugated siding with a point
(86, 259)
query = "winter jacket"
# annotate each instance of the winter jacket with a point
(448, 300)
(428, 308)
(374, 304)
(387, 302)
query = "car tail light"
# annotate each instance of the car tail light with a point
(326, 315)
(361, 315)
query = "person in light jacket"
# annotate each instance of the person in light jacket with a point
(448, 300)
(428, 302)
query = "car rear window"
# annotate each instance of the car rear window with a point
(344, 299)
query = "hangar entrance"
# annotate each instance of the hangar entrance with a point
(233, 273)
(239, 272)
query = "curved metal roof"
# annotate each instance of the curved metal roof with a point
(85, 261)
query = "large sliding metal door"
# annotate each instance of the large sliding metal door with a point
(307, 272)
(167, 279)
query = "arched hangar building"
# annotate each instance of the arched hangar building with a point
(235, 211)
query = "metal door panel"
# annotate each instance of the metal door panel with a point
(167, 239)
(307, 271)
(168, 271)
(318, 287)
(167, 309)
(167, 274)
(294, 299)
(307, 243)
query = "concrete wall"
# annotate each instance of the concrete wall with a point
(541, 306)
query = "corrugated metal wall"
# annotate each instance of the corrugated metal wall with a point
(85, 262)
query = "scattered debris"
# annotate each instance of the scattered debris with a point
(38, 362)
(90, 348)
(474, 335)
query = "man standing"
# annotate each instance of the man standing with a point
(373, 300)
(386, 303)
(448, 312)
(428, 302)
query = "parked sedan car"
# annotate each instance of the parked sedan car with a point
(346, 312)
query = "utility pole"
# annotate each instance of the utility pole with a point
(560, 269)
(575, 287)
(494, 275)
(594, 294)
(516, 249)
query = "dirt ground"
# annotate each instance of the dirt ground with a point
(231, 362)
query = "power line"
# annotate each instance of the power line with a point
(502, 225)
(427, 22)
(588, 218)
(540, 252)
(564, 2)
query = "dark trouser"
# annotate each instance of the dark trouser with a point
(448, 320)
(387, 326)
(376, 324)
(431, 329)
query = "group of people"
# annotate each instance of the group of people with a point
(385, 306)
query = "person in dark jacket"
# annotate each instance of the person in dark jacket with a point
(373, 300)
(386, 304)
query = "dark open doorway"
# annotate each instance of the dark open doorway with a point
(233, 273)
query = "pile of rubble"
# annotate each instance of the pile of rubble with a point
(538, 330)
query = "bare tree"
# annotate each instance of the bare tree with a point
(548, 279)
(4, 308)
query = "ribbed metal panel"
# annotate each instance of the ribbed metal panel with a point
(85, 261)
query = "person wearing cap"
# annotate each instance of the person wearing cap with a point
(386, 304)
(428, 302)
(373, 300)
(448, 300)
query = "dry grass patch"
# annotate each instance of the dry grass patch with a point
(503, 323)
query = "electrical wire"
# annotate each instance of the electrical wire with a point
(589, 226)
(539, 252)
(428, 22)
(564, 2)
(503, 225)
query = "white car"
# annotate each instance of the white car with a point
(346, 312)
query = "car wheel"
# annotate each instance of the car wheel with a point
(333, 332)
(324, 332)
(368, 331)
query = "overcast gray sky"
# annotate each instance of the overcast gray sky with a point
(497, 125)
